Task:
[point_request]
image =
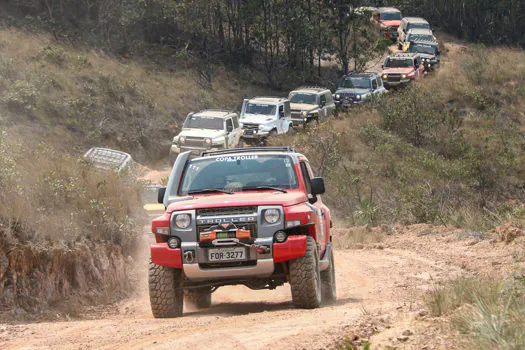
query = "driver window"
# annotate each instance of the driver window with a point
(415, 63)
(287, 109)
(379, 82)
(229, 124)
(281, 111)
(322, 101)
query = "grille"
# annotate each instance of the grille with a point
(251, 126)
(194, 142)
(252, 227)
(394, 77)
(202, 213)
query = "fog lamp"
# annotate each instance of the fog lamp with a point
(280, 236)
(174, 243)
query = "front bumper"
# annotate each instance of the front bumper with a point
(293, 248)
(397, 83)
(255, 134)
(347, 103)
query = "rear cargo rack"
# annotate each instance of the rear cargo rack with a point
(249, 149)
(108, 159)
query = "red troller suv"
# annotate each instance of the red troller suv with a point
(251, 216)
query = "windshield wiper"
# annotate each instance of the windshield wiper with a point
(208, 190)
(266, 188)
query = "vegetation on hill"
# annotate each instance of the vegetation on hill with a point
(449, 150)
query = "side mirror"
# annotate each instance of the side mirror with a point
(322, 104)
(317, 184)
(281, 114)
(160, 195)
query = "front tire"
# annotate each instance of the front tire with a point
(328, 288)
(199, 298)
(165, 292)
(305, 278)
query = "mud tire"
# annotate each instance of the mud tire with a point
(305, 278)
(165, 294)
(199, 298)
(328, 286)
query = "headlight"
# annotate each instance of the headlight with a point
(271, 216)
(174, 243)
(385, 76)
(183, 221)
(337, 96)
(304, 113)
(403, 76)
(261, 127)
(358, 97)
(182, 139)
(207, 141)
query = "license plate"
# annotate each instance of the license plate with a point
(226, 254)
(249, 132)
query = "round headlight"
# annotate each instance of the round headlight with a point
(173, 243)
(385, 76)
(208, 141)
(304, 113)
(182, 139)
(358, 97)
(403, 76)
(272, 216)
(183, 220)
(337, 96)
(280, 236)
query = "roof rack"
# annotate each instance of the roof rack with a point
(249, 149)
(311, 87)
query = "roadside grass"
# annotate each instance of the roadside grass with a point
(135, 104)
(489, 312)
(50, 197)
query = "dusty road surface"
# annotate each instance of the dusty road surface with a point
(379, 292)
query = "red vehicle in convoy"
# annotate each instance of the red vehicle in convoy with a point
(251, 216)
(401, 69)
(388, 19)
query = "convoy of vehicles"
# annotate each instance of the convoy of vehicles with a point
(388, 20)
(263, 117)
(207, 130)
(310, 104)
(358, 88)
(401, 69)
(254, 216)
(251, 216)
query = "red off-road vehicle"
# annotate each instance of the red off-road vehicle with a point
(251, 216)
(401, 69)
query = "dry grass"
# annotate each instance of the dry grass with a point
(488, 311)
(132, 104)
(52, 197)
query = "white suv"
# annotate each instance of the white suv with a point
(265, 116)
(206, 131)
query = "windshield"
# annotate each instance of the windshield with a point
(260, 108)
(357, 83)
(420, 37)
(398, 63)
(418, 25)
(309, 99)
(431, 50)
(391, 16)
(238, 173)
(194, 122)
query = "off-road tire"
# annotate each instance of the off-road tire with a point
(165, 293)
(328, 287)
(199, 298)
(305, 278)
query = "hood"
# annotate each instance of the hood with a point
(398, 70)
(258, 119)
(302, 107)
(202, 133)
(391, 23)
(353, 91)
(266, 197)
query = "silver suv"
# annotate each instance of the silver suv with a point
(310, 104)
(407, 24)
(205, 131)
(265, 116)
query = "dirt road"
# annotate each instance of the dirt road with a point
(379, 292)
